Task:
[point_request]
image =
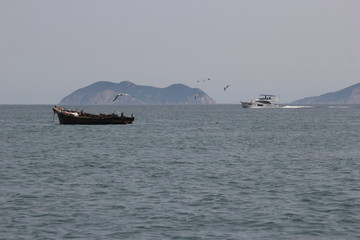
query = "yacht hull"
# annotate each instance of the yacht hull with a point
(254, 104)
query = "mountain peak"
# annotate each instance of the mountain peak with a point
(102, 92)
(126, 83)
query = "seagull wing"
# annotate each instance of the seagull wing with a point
(226, 87)
(116, 97)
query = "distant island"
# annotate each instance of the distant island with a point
(102, 93)
(349, 95)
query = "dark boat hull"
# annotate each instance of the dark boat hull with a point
(91, 119)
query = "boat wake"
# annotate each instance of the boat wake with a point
(297, 106)
(289, 106)
(338, 107)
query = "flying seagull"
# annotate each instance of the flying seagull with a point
(226, 87)
(121, 94)
(205, 79)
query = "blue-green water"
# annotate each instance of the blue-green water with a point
(182, 172)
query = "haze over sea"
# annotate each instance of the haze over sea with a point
(182, 172)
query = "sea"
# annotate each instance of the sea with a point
(181, 172)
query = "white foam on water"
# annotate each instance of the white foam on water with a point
(289, 106)
(338, 107)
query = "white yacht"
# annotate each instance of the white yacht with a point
(264, 101)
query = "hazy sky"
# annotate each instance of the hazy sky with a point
(295, 48)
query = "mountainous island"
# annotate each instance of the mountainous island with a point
(102, 93)
(349, 95)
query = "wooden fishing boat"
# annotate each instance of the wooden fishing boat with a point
(76, 117)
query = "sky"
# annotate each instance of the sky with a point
(291, 48)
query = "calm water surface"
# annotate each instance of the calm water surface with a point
(181, 172)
